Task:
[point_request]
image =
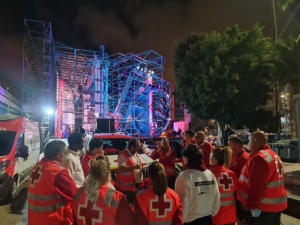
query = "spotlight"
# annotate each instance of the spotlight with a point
(49, 111)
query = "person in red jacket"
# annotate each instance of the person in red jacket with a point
(167, 157)
(205, 147)
(95, 149)
(130, 170)
(227, 181)
(189, 137)
(239, 159)
(261, 183)
(158, 147)
(239, 156)
(50, 189)
(158, 204)
(96, 203)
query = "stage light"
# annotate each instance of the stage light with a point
(137, 67)
(49, 111)
(152, 72)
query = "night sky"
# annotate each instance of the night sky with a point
(129, 25)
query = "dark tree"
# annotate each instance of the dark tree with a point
(224, 76)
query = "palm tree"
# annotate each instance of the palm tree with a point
(283, 4)
(288, 70)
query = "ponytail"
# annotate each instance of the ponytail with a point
(223, 156)
(227, 152)
(158, 176)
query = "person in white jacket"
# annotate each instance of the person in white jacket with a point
(198, 189)
(72, 160)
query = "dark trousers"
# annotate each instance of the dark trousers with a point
(207, 220)
(171, 181)
(244, 216)
(130, 195)
(267, 218)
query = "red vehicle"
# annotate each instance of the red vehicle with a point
(19, 152)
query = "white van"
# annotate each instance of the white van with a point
(19, 152)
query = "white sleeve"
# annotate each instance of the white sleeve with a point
(70, 167)
(182, 189)
(122, 161)
(217, 200)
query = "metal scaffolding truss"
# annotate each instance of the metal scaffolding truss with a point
(74, 67)
(38, 62)
(140, 100)
(90, 85)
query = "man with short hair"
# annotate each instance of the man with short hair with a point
(130, 172)
(239, 154)
(189, 137)
(95, 149)
(50, 189)
(206, 147)
(239, 159)
(261, 184)
(72, 160)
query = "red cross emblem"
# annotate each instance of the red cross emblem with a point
(89, 213)
(161, 206)
(225, 181)
(35, 176)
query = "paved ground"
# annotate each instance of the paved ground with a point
(7, 218)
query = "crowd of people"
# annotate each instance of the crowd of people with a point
(220, 186)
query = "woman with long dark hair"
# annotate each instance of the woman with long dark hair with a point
(197, 188)
(158, 204)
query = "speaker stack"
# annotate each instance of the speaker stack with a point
(105, 125)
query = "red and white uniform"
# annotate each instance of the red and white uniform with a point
(167, 158)
(50, 191)
(110, 209)
(227, 182)
(238, 161)
(151, 209)
(206, 149)
(85, 162)
(261, 184)
(125, 181)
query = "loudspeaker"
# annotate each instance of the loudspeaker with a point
(105, 125)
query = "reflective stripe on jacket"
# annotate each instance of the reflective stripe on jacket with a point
(44, 205)
(125, 181)
(158, 210)
(227, 182)
(275, 197)
(102, 212)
